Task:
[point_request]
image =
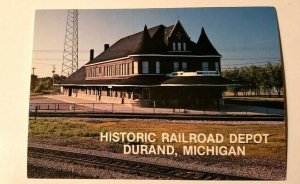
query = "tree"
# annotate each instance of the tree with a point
(267, 78)
(256, 78)
(277, 81)
(233, 75)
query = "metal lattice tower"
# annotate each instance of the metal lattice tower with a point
(70, 57)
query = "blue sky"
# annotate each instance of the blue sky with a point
(241, 35)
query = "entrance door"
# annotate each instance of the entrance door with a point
(70, 91)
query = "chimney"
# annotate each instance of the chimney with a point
(106, 46)
(91, 54)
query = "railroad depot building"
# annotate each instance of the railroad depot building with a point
(158, 64)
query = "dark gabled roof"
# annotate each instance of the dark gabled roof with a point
(153, 40)
(133, 44)
(198, 80)
(178, 26)
(204, 46)
(145, 44)
(76, 77)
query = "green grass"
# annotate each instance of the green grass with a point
(85, 133)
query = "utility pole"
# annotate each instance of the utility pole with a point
(70, 56)
(53, 73)
(33, 70)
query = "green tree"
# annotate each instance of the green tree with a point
(277, 81)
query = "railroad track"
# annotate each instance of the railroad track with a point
(130, 167)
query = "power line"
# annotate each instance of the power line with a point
(257, 63)
(59, 51)
(241, 59)
(54, 59)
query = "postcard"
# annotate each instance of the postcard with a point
(157, 94)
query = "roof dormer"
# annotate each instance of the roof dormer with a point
(178, 39)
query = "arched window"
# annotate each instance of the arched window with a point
(184, 46)
(157, 67)
(179, 46)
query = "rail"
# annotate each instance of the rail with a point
(131, 167)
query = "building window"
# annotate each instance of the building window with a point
(176, 66)
(217, 65)
(204, 66)
(157, 67)
(135, 67)
(179, 46)
(184, 66)
(130, 68)
(127, 68)
(145, 94)
(124, 69)
(174, 46)
(184, 46)
(145, 67)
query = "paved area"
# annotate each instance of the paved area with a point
(60, 103)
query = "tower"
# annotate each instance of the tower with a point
(70, 56)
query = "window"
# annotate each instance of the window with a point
(179, 46)
(176, 66)
(145, 94)
(145, 67)
(130, 68)
(157, 67)
(124, 69)
(184, 46)
(204, 66)
(217, 65)
(174, 46)
(184, 66)
(135, 67)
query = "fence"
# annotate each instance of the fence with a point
(225, 109)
